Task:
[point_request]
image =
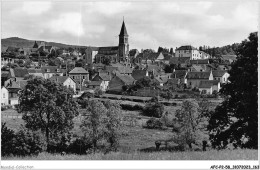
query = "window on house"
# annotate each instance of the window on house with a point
(190, 83)
(58, 70)
(3, 95)
(83, 77)
(48, 70)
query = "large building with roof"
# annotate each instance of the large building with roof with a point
(191, 52)
(118, 53)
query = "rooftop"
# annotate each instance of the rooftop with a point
(78, 70)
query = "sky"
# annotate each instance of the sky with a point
(150, 24)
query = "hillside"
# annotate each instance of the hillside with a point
(24, 43)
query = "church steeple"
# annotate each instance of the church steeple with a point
(123, 43)
(123, 30)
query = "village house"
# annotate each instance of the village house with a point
(203, 63)
(49, 71)
(35, 72)
(209, 86)
(220, 75)
(180, 61)
(119, 81)
(139, 74)
(194, 78)
(97, 85)
(191, 52)
(149, 58)
(172, 83)
(180, 74)
(18, 73)
(65, 81)
(162, 80)
(13, 87)
(229, 58)
(4, 96)
(103, 78)
(195, 68)
(90, 54)
(79, 75)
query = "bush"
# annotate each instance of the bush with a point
(28, 143)
(131, 107)
(154, 123)
(166, 119)
(22, 143)
(7, 136)
(79, 146)
(153, 109)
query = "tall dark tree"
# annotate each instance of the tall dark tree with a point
(48, 107)
(171, 51)
(106, 61)
(236, 119)
(160, 49)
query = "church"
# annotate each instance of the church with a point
(116, 54)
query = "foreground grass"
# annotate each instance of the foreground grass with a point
(207, 155)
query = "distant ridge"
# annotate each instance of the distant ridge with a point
(24, 43)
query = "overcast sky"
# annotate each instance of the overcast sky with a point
(149, 24)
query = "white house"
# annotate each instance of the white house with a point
(104, 78)
(191, 52)
(49, 71)
(221, 76)
(209, 86)
(194, 78)
(65, 81)
(4, 96)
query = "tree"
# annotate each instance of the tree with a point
(160, 49)
(168, 95)
(48, 107)
(113, 124)
(171, 51)
(154, 109)
(80, 63)
(148, 51)
(29, 76)
(106, 61)
(93, 122)
(191, 124)
(146, 82)
(235, 119)
(168, 69)
(102, 121)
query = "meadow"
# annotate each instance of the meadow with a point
(136, 143)
(162, 155)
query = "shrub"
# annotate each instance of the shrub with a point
(153, 109)
(7, 136)
(154, 123)
(79, 145)
(176, 96)
(22, 143)
(131, 107)
(166, 119)
(28, 143)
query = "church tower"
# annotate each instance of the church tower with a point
(123, 43)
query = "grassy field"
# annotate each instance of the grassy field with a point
(136, 143)
(207, 155)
